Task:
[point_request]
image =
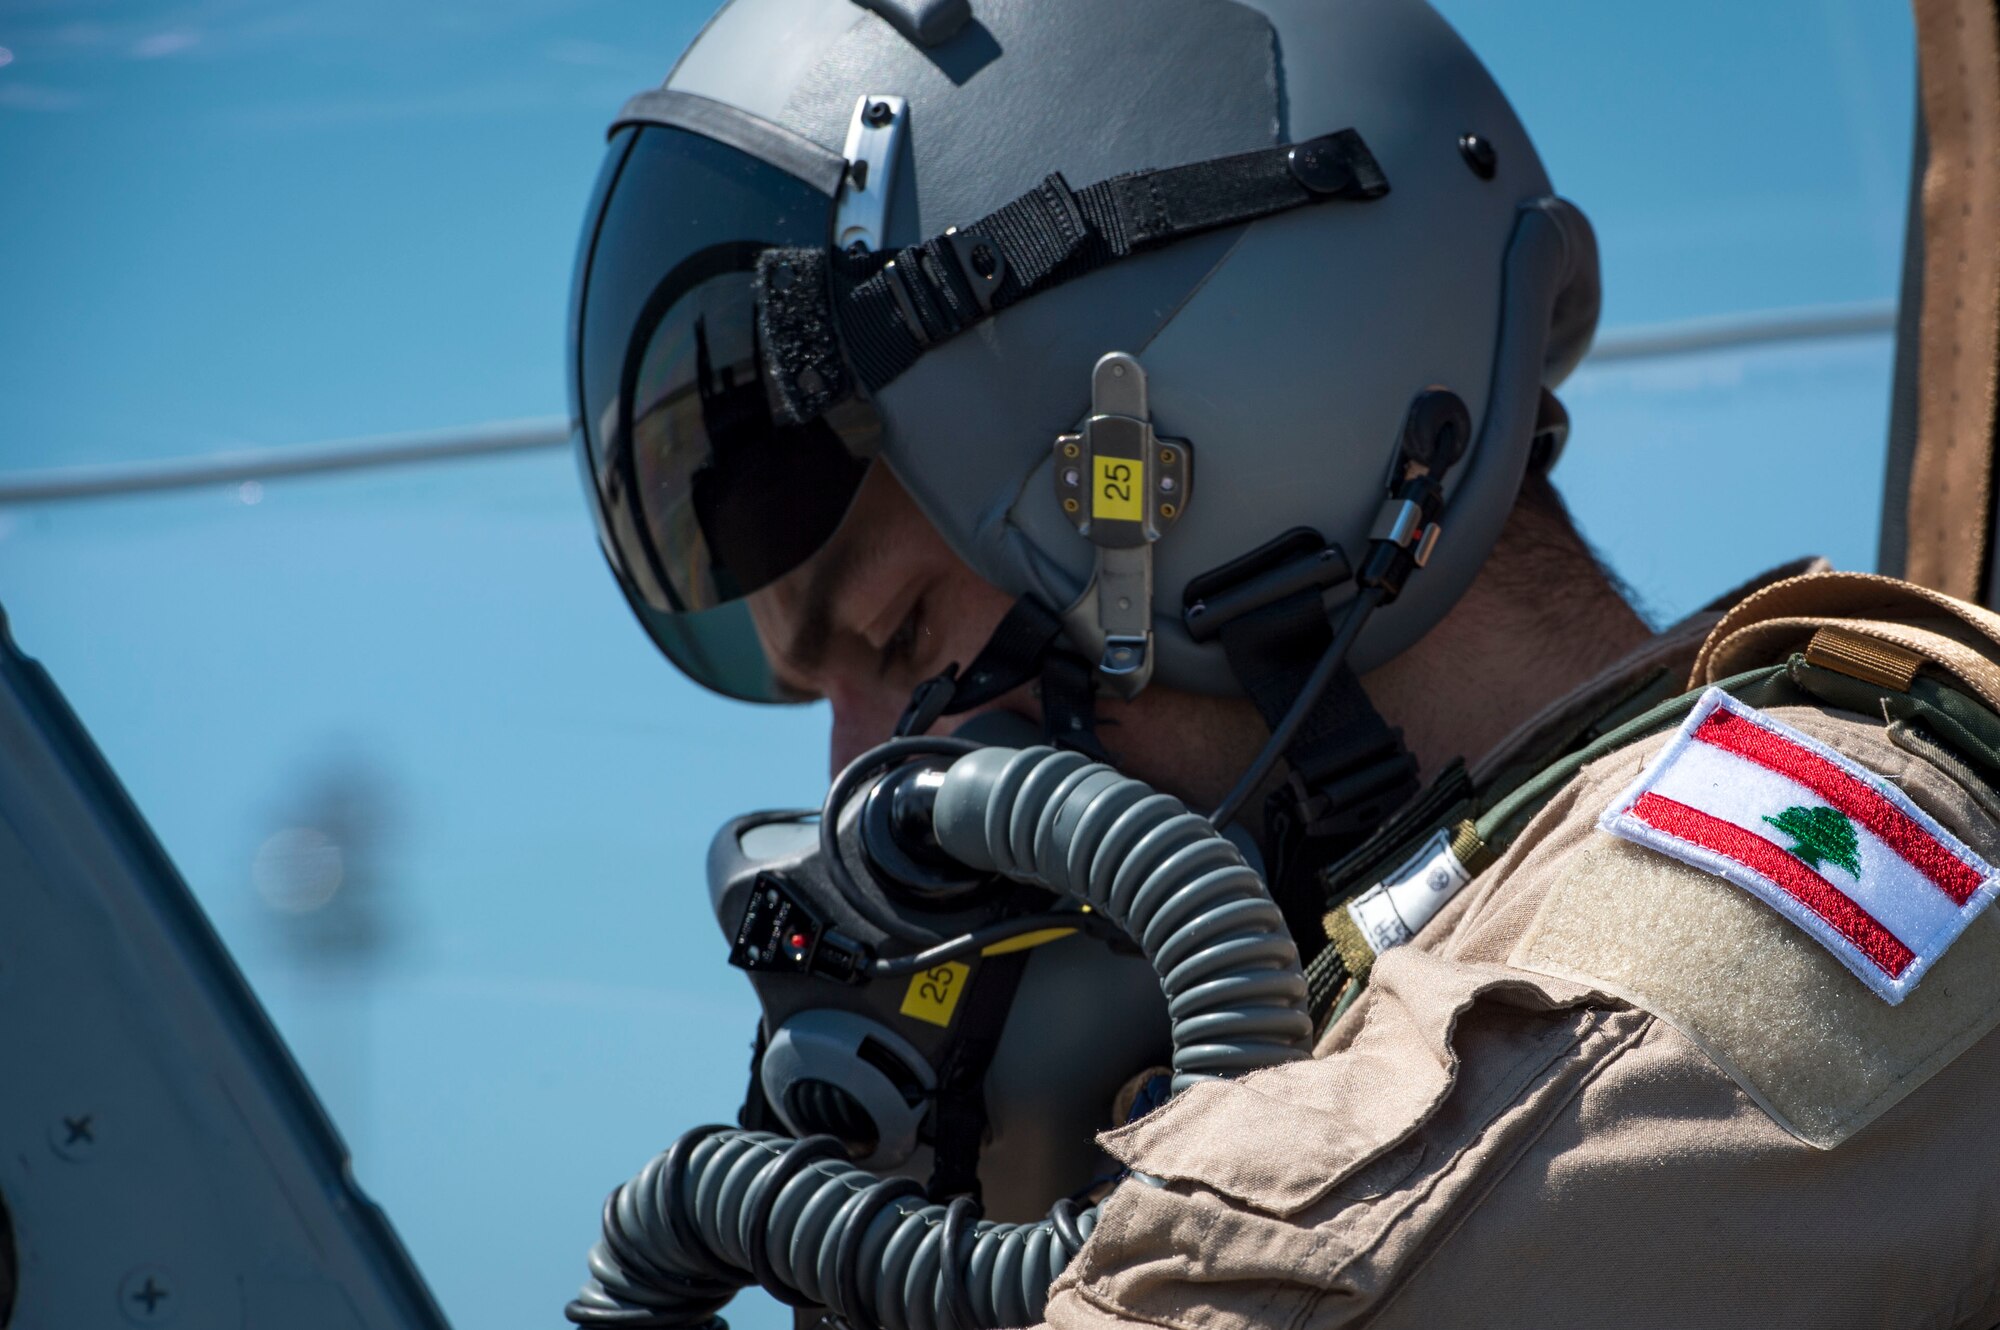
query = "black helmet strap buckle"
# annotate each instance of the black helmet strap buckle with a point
(833, 322)
(1025, 646)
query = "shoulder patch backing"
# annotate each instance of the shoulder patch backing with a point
(1781, 1014)
(1815, 835)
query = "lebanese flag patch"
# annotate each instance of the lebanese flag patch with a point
(1824, 841)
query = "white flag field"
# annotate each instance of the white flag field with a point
(1835, 848)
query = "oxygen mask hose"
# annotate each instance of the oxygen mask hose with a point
(723, 1209)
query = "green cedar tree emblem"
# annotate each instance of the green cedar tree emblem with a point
(1820, 833)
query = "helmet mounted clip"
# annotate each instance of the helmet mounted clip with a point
(1121, 486)
(873, 151)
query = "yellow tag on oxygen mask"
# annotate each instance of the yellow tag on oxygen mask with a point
(933, 994)
(1114, 490)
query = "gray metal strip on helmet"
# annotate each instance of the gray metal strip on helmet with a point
(791, 153)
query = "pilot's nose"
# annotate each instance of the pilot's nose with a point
(862, 718)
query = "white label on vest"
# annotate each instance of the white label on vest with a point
(1390, 912)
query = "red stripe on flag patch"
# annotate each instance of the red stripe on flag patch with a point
(1830, 903)
(1733, 733)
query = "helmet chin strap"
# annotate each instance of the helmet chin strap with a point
(1346, 769)
(1026, 646)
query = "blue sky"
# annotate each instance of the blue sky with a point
(235, 223)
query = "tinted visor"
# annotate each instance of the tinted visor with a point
(701, 496)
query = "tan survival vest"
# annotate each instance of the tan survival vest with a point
(1925, 664)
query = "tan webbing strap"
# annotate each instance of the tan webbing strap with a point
(1873, 628)
(1862, 656)
(1958, 59)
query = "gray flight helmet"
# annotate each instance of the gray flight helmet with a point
(1285, 351)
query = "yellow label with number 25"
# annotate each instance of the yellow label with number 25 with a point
(933, 994)
(1114, 491)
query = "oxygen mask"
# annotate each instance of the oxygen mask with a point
(961, 958)
(945, 1023)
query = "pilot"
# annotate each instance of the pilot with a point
(1179, 380)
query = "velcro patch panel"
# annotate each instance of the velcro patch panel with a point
(1818, 837)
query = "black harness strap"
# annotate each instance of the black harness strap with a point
(890, 309)
(961, 1095)
(1023, 647)
(1012, 655)
(1069, 704)
(1349, 769)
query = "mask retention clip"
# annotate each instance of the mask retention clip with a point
(1121, 486)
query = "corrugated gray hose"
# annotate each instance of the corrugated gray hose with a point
(724, 1208)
